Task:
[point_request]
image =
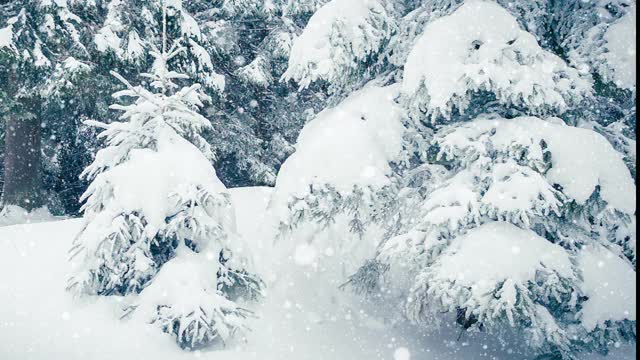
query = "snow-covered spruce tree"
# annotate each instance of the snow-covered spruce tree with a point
(506, 219)
(340, 49)
(492, 212)
(158, 220)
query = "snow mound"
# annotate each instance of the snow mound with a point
(298, 319)
(499, 251)
(481, 47)
(581, 159)
(610, 285)
(338, 36)
(12, 215)
(350, 144)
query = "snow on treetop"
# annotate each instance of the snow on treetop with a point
(499, 251)
(74, 65)
(338, 36)
(581, 159)
(350, 144)
(256, 72)
(146, 181)
(481, 47)
(610, 285)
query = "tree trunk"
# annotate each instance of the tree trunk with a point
(22, 172)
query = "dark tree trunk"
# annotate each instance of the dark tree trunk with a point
(22, 163)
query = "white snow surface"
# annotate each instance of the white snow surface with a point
(11, 215)
(481, 47)
(350, 144)
(582, 159)
(610, 284)
(303, 316)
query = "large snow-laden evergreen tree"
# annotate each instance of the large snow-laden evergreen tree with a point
(496, 210)
(510, 183)
(496, 189)
(158, 220)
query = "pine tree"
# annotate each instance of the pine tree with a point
(158, 220)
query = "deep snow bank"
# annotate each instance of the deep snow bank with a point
(303, 317)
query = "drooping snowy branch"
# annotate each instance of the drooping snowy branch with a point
(462, 55)
(339, 38)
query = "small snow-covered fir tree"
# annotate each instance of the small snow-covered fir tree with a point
(158, 220)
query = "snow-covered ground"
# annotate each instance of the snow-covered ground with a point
(304, 315)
